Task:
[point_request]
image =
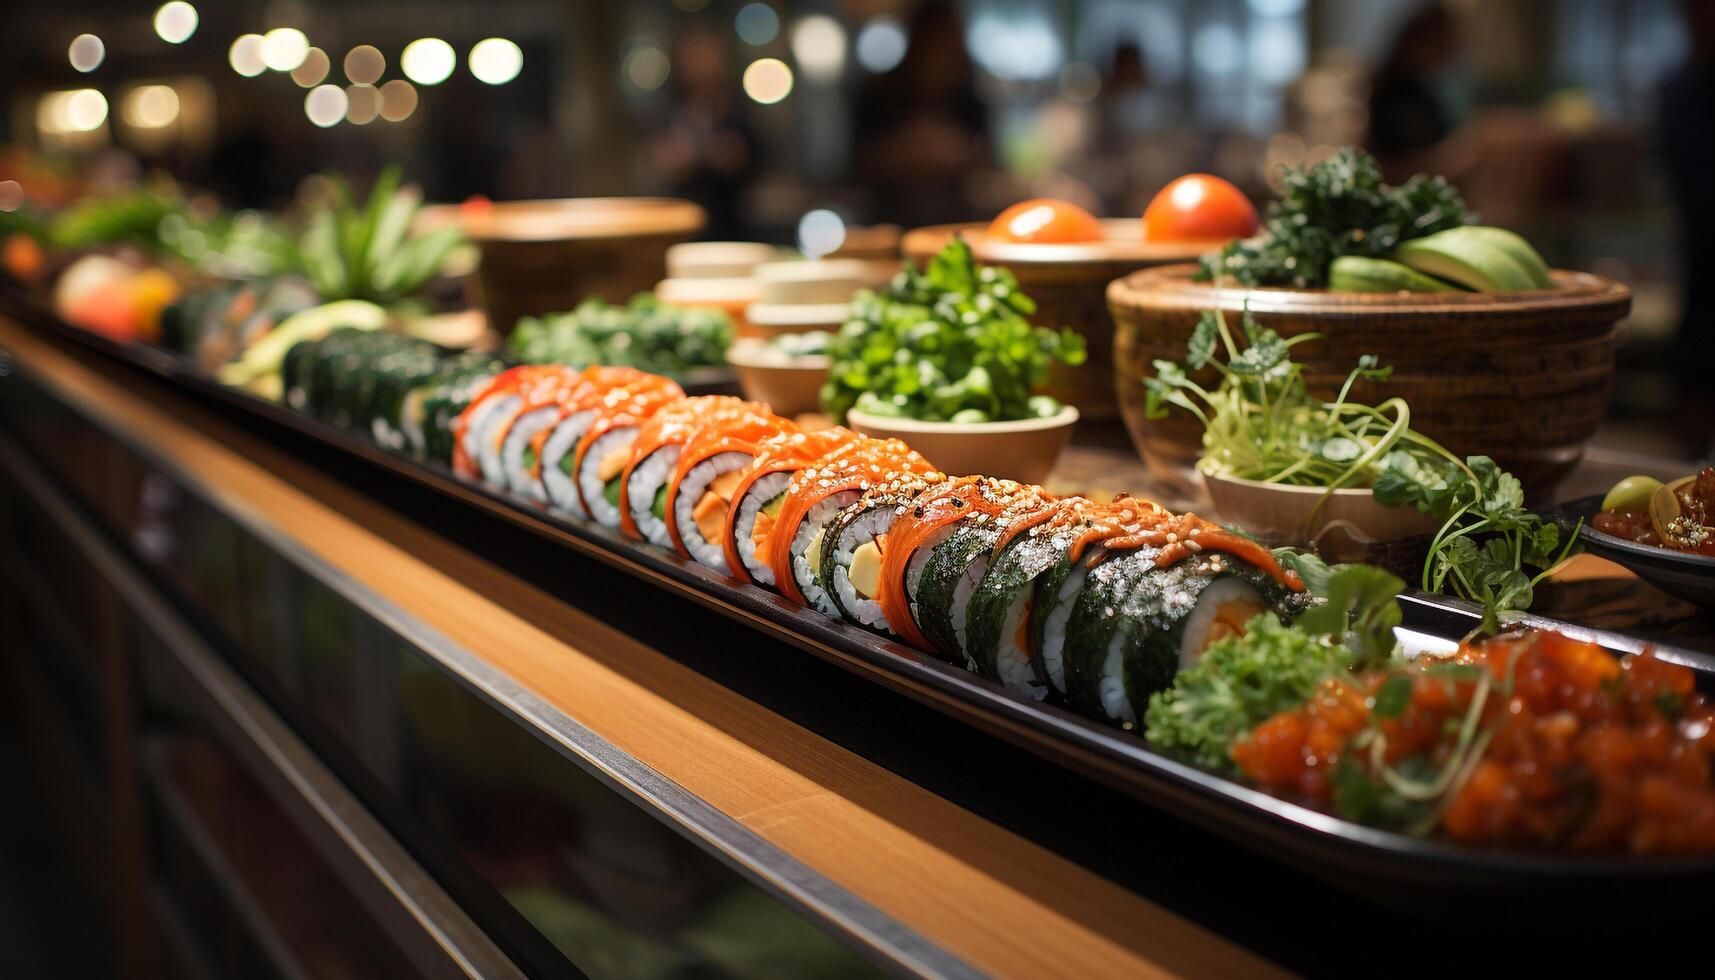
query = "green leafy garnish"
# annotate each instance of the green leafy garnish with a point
(1240, 682)
(370, 252)
(1488, 549)
(1261, 423)
(1338, 207)
(645, 333)
(952, 342)
(1244, 680)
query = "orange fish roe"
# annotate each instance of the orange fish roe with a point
(1579, 750)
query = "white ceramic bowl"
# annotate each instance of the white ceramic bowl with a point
(1341, 525)
(719, 260)
(791, 385)
(1025, 450)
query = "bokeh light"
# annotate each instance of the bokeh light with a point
(881, 44)
(398, 100)
(1079, 81)
(314, 70)
(820, 232)
(428, 61)
(86, 52)
(819, 46)
(757, 23)
(496, 60)
(364, 64)
(150, 107)
(284, 48)
(362, 104)
(81, 110)
(325, 105)
(175, 22)
(245, 55)
(767, 80)
(646, 68)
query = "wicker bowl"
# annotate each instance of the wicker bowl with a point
(548, 256)
(1069, 284)
(1522, 377)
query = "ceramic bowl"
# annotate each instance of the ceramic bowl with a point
(791, 385)
(1069, 285)
(1522, 377)
(1340, 525)
(548, 256)
(1024, 450)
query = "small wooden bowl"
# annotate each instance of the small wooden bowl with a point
(1069, 284)
(1025, 450)
(548, 256)
(1340, 525)
(789, 385)
(1522, 377)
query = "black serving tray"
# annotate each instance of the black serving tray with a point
(1426, 876)
(1690, 577)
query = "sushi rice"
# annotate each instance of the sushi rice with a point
(616, 439)
(759, 495)
(648, 476)
(690, 493)
(520, 476)
(806, 553)
(558, 450)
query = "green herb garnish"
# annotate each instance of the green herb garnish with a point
(646, 334)
(950, 343)
(371, 253)
(1262, 423)
(1338, 207)
(1242, 681)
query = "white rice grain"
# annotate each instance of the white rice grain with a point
(765, 488)
(649, 475)
(691, 490)
(589, 474)
(561, 489)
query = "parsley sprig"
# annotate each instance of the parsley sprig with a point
(952, 342)
(1337, 207)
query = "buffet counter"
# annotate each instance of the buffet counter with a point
(318, 719)
(495, 780)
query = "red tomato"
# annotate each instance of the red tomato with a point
(1199, 208)
(1044, 221)
(475, 204)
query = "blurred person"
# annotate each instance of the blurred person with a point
(1417, 96)
(706, 152)
(1686, 107)
(922, 132)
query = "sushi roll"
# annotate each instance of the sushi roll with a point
(648, 477)
(761, 492)
(814, 498)
(939, 551)
(555, 448)
(706, 480)
(544, 407)
(480, 428)
(849, 572)
(427, 412)
(397, 375)
(1004, 635)
(604, 452)
(1148, 605)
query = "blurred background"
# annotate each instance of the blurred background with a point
(1567, 120)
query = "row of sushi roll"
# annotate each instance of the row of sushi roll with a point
(1092, 604)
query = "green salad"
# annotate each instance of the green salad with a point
(1262, 423)
(646, 334)
(950, 343)
(1336, 225)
